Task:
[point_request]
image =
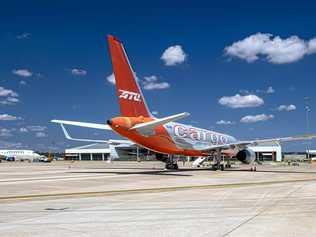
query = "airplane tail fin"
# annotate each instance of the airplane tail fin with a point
(131, 99)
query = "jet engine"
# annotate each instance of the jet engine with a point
(246, 156)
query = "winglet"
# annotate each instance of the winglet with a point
(79, 139)
(65, 132)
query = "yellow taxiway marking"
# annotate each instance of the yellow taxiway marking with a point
(148, 190)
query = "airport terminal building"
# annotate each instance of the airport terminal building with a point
(97, 151)
(103, 151)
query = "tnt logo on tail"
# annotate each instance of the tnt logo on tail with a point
(129, 95)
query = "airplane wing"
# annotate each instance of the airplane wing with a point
(83, 124)
(258, 142)
(148, 127)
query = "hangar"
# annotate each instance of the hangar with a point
(104, 151)
(96, 151)
(268, 152)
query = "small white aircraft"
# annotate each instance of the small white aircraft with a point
(20, 155)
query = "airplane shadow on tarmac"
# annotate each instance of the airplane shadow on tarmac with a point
(151, 171)
(273, 171)
(156, 172)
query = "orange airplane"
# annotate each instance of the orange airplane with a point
(164, 136)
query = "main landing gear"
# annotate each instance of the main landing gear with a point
(171, 163)
(219, 162)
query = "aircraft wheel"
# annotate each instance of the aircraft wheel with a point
(172, 166)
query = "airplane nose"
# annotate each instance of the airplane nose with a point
(109, 122)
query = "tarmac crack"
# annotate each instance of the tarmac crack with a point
(261, 212)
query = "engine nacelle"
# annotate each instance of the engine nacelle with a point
(246, 156)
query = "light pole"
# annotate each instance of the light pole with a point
(307, 112)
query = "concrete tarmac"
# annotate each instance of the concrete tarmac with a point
(141, 199)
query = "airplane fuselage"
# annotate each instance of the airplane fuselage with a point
(170, 138)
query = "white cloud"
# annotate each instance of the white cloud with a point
(312, 46)
(23, 130)
(40, 134)
(273, 48)
(8, 117)
(22, 72)
(173, 55)
(224, 122)
(287, 108)
(270, 90)
(78, 72)
(12, 100)
(155, 112)
(23, 83)
(244, 92)
(240, 101)
(111, 79)
(36, 128)
(7, 92)
(256, 118)
(24, 35)
(9, 101)
(152, 83)
(4, 132)
(7, 96)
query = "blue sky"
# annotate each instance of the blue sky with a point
(41, 44)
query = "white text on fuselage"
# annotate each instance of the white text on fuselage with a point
(129, 95)
(199, 135)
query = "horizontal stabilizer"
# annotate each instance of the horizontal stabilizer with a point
(146, 127)
(112, 142)
(83, 124)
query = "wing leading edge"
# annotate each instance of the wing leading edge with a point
(259, 141)
(83, 124)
